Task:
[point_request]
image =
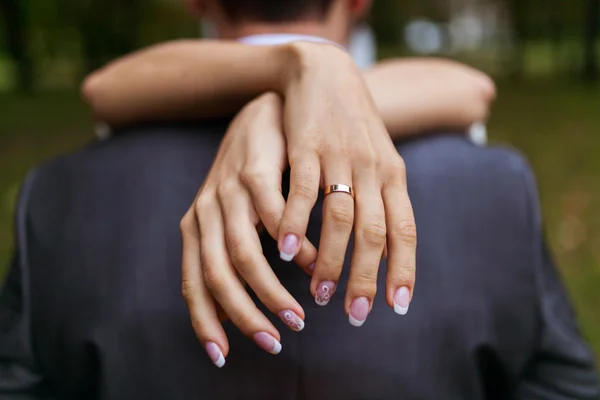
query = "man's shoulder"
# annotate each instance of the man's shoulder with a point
(453, 160)
(130, 147)
(495, 182)
(456, 155)
(132, 163)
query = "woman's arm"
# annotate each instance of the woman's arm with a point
(419, 94)
(196, 79)
(188, 79)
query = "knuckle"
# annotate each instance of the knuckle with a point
(243, 321)
(187, 223)
(374, 235)
(238, 253)
(314, 145)
(398, 169)
(227, 188)
(189, 289)
(342, 216)
(214, 279)
(364, 282)
(302, 189)
(403, 274)
(406, 232)
(198, 327)
(202, 203)
(255, 176)
(271, 218)
(337, 152)
(399, 164)
(394, 166)
(367, 159)
(331, 265)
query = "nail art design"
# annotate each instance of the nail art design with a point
(324, 292)
(292, 320)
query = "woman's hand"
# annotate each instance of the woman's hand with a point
(221, 246)
(336, 137)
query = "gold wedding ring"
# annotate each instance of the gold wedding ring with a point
(339, 189)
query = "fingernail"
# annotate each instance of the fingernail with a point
(289, 248)
(215, 354)
(267, 342)
(359, 311)
(311, 267)
(324, 292)
(292, 320)
(402, 300)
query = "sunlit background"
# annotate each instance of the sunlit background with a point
(542, 53)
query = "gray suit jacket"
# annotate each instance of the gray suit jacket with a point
(92, 307)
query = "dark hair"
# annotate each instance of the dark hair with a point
(275, 10)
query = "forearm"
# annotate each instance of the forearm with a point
(416, 95)
(197, 79)
(186, 79)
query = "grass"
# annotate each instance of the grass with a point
(555, 125)
(558, 128)
(32, 129)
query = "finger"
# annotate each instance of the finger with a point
(338, 219)
(269, 203)
(201, 305)
(222, 282)
(304, 190)
(245, 253)
(402, 245)
(369, 243)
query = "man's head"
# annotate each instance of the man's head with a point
(328, 18)
(276, 11)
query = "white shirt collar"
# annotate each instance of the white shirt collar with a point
(272, 39)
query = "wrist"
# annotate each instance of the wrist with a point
(307, 60)
(267, 102)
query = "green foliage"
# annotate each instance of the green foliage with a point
(557, 127)
(84, 35)
(33, 129)
(70, 38)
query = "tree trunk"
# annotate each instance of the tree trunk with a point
(109, 29)
(555, 30)
(590, 38)
(518, 15)
(15, 28)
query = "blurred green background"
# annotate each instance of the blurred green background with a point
(542, 53)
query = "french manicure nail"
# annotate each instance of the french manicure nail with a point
(402, 300)
(324, 292)
(267, 342)
(215, 354)
(289, 248)
(359, 311)
(292, 320)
